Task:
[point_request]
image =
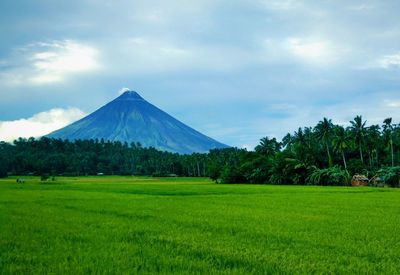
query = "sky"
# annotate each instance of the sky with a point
(236, 71)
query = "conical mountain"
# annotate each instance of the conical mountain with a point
(130, 118)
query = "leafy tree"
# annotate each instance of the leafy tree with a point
(329, 176)
(214, 171)
(390, 175)
(358, 129)
(232, 174)
(341, 142)
(388, 131)
(373, 140)
(268, 147)
(323, 131)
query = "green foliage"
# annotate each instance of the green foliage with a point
(329, 176)
(390, 175)
(358, 149)
(214, 171)
(232, 174)
(355, 166)
(44, 177)
(90, 157)
(268, 147)
(3, 171)
(257, 170)
(323, 132)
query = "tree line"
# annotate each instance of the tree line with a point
(326, 154)
(91, 157)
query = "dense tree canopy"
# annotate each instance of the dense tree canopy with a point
(324, 154)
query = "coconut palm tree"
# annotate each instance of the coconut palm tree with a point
(358, 129)
(388, 130)
(323, 132)
(341, 141)
(268, 146)
(372, 142)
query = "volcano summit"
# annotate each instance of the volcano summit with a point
(130, 118)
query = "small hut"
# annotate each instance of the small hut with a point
(359, 180)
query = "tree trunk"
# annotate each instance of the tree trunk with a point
(391, 149)
(344, 161)
(198, 169)
(361, 154)
(369, 158)
(330, 163)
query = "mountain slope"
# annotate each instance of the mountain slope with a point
(130, 118)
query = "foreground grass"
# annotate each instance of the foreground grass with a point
(146, 225)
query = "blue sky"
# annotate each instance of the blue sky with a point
(234, 70)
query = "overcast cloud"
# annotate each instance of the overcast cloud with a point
(235, 70)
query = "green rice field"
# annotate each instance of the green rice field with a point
(130, 225)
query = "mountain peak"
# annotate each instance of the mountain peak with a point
(130, 118)
(130, 95)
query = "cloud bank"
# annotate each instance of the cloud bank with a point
(42, 63)
(236, 71)
(39, 124)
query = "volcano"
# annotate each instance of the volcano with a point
(130, 118)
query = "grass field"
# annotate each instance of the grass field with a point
(147, 225)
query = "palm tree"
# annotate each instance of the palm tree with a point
(358, 129)
(323, 132)
(373, 140)
(388, 130)
(287, 140)
(268, 146)
(341, 141)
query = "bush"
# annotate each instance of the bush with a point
(232, 175)
(257, 170)
(44, 177)
(3, 173)
(214, 172)
(390, 175)
(3, 169)
(329, 176)
(355, 166)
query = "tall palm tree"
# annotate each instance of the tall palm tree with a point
(268, 146)
(341, 141)
(358, 129)
(388, 130)
(372, 142)
(323, 132)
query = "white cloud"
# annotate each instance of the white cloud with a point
(386, 62)
(281, 4)
(312, 51)
(389, 61)
(44, 63)
(143, 55)
(361, 7)
(39, 124)
(392, 103)
(123, 90)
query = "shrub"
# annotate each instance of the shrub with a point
(232, 175)
(257, 170)
(214, 172)
(329, 176)
(390, 175)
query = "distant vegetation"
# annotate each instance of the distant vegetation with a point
(326, 154)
